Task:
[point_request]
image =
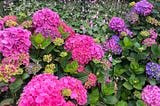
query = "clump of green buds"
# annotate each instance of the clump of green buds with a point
(58, 42)
(47, 58)
(50, 68)
(144, 33)
(63, 54)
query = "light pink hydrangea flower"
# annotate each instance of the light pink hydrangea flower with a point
(14, 41)
(10, 17)
(151, 95)
(149, 42)
(91, 81)
(78, 92)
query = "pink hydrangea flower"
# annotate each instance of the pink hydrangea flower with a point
(10, 17)
(14, 41)
(42, 90)
(80, 68)
(149, 42)
(96, 51)
(45, 17)
(78, 92)
(17, 59)
(151, 95)
(1, 24)
(91, 81)
(82, 55)
(116, 24)
(153, 34)
(78, 41)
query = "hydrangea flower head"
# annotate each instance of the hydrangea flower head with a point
(10, 17)
(151, 95)
(143, 8)
(149, 42)
(44, 90)
(82, 55)
(116, 24)
(45, 17)
(14, 41)
(47, 31)
(153, 70)
(113, 45)
(91, 81)
(78, 41)
(78, 92)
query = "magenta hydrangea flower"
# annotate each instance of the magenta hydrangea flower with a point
(14, 41)
(45, 17)
(82, 55)
(143, 8)
(48, 31)
(1, 24)
(113, 45)
(78, 92)
(151, 95)
(77, 41)
(116, 24)
(96, 51)
(42, 90)
(83, 48)
(91, 81)
(149, 42)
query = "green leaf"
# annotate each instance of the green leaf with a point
(46, 42)
(127, 85)
(25, 76)
(122, 103)
(155, 50)
(15, 86)
(140, 103)
(38, 38)
(134, 65)
(108, 89)
(110, 100)
(93, 97)
(71, 67)
(127, 42)
(152, 81)
(118, 71)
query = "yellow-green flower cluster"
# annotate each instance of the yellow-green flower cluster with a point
(132, 4)
(50, 68)
(7, 71)
(66, 92)
(63, 54)
(58, 42)
(96, 61)
(144, 33)
(47, 58)
(153, 21)
(10, 23)
(27, 24)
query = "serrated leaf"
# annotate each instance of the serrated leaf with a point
(122, 103)
(15, 86)
(108, 89)
(25, 76)
(93, 97)
(71, 67)
(127, 85)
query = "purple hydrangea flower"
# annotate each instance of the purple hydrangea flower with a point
(113, 45)
(116, 24)
(143, 8)
(153, 70)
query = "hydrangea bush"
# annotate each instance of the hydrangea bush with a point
(44, 62)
